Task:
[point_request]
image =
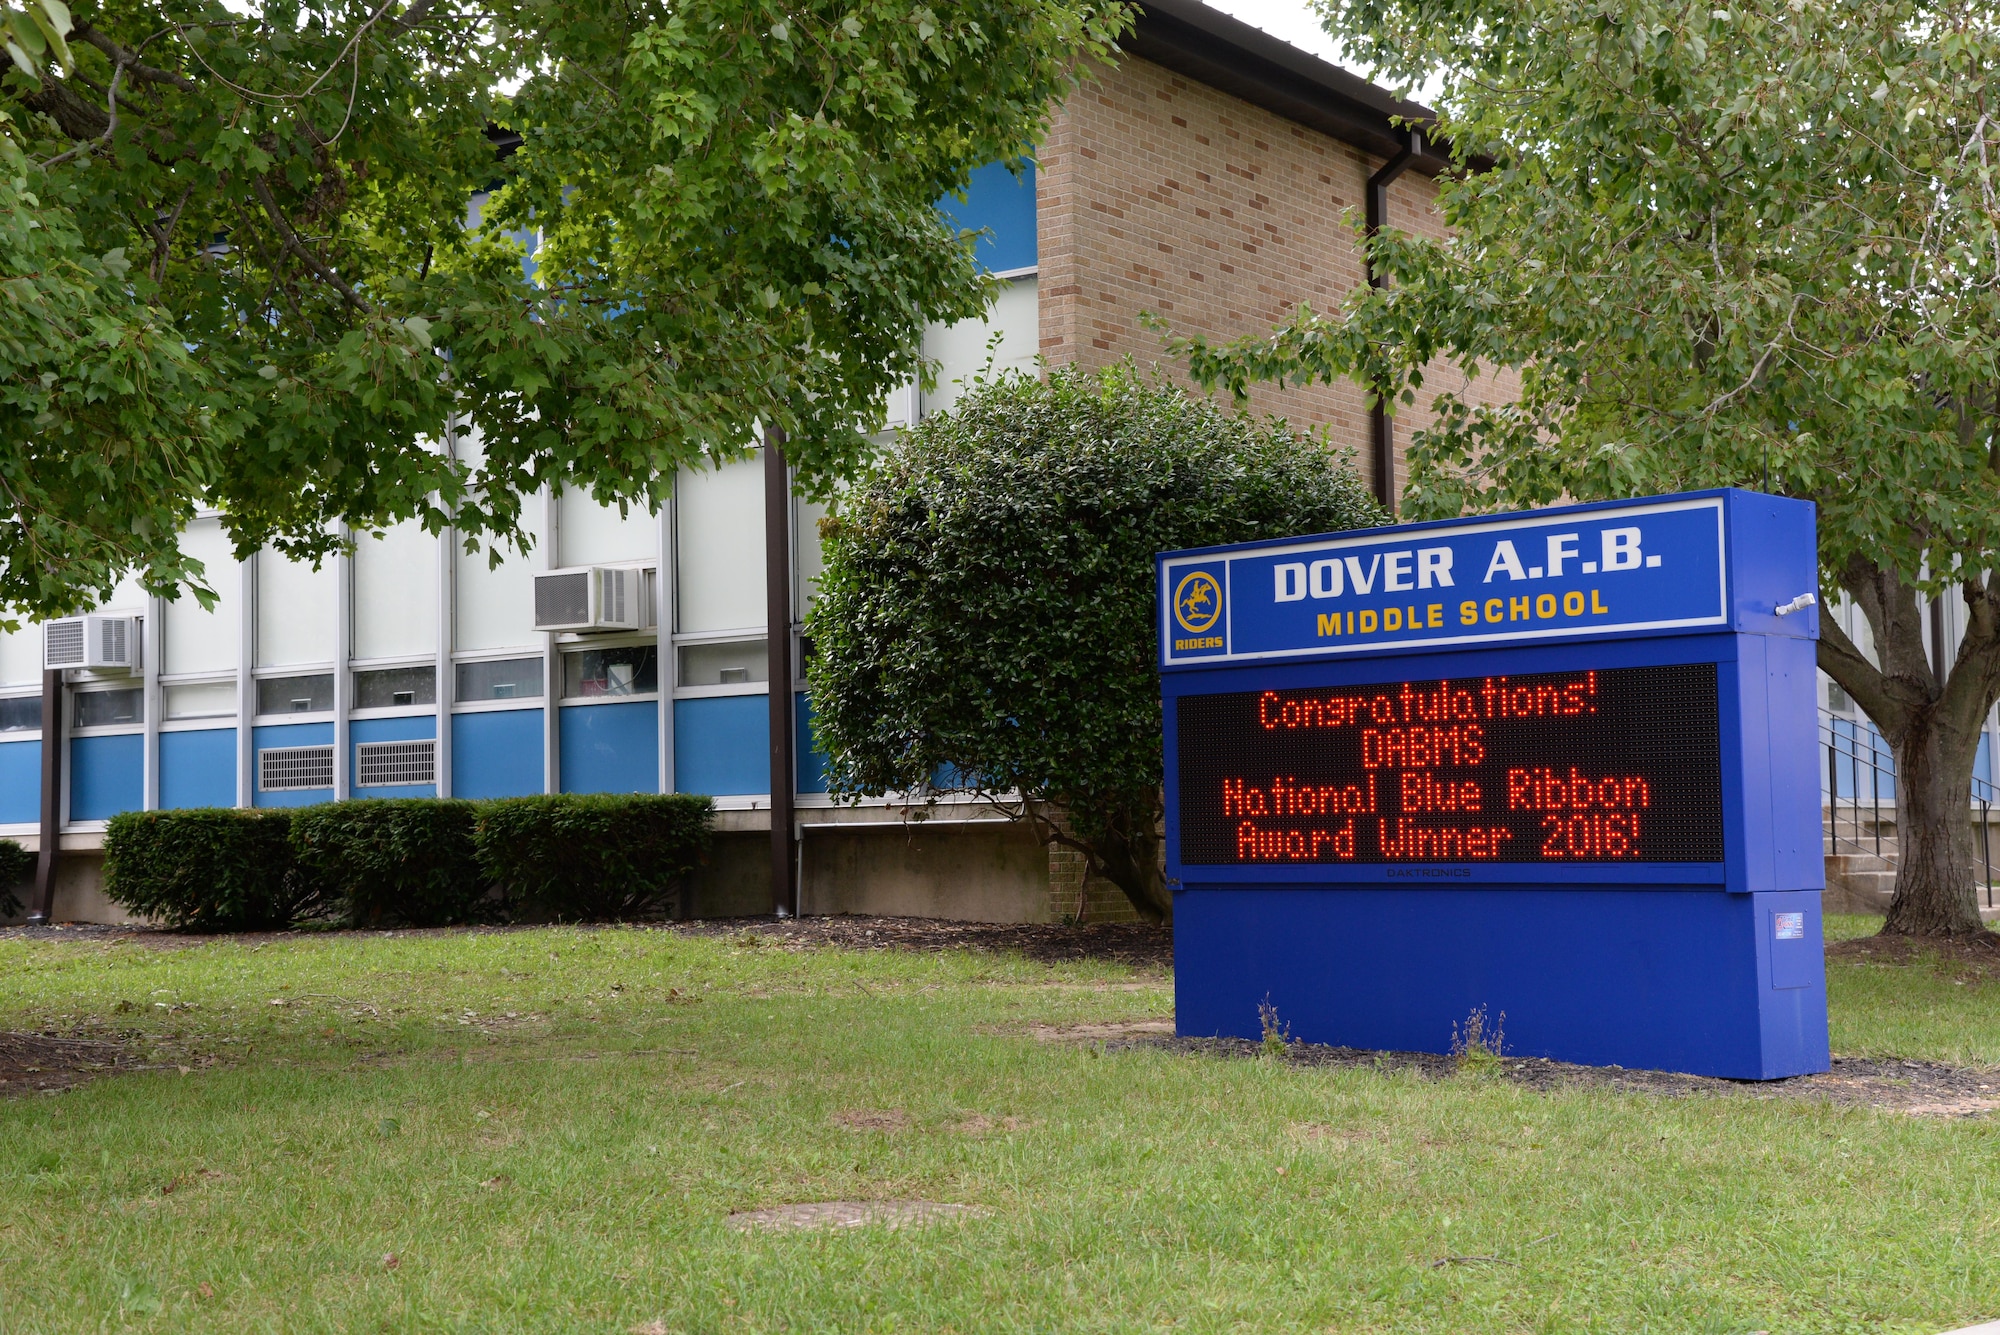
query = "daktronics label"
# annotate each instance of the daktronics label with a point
(1618, 765)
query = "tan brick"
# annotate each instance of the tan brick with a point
(1147, 164)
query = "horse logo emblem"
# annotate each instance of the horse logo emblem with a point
(1197, 602)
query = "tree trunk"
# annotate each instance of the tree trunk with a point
(1129, 857)
(1930, 713)
(1123, 849)
(1936, 861)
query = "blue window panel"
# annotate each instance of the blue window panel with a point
(105, 776)
(496, 754)
(610, 748)
(1003, 205)
(1982, 763)
(408, 729)
(722, 745)
(809, 761)
(289, 734)
(20, 782)
(198, 769)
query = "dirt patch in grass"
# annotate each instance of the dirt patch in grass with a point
(1139, 944)
(1920, 1088)
(852, 1214)
(872, 1119)
(979, 1124)
(30, 1063)
(1976, 958)
(1098, 1033)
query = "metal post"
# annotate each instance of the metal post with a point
(446, 689)
(246, 684)
(152, 649)
(52, 758)
(778, 644)
(343, 678)
(551, 660)
(669, 670)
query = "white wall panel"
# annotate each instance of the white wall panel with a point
(296, 607)
(806, 552)
(197, 639)
(961, 349)
(496, 608)
(21, 657)
(593, 534)
(719, 526)
(395, 592)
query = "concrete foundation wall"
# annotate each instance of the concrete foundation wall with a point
(991, 872)
(79, 891)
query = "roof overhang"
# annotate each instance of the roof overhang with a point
(1227, 54)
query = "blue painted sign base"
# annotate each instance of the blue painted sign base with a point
(1662, 979)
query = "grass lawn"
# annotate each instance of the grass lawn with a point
(547, 1130)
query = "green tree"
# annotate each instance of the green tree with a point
(236, 266)
(1720, 244)
(987, 623)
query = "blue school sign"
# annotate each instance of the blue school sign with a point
(1558, 764)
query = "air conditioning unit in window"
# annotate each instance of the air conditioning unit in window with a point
(591, 598)
(91, 642)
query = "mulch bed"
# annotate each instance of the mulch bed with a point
(1919, 1087)
(1137, 944)
(35, 1063)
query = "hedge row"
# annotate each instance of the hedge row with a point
(419, 862)
(17, 867)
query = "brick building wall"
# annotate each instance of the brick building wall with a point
(1161, 194)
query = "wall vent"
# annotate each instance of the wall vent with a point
(282, 769)
(383, 764)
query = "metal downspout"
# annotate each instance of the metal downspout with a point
(1382, 427)
(778, 641)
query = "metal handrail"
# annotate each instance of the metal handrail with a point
(1862, 754)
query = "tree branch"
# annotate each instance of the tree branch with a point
(291, 242)
(128, 59)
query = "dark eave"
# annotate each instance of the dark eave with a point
(1227, 54)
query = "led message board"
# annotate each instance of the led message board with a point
(1561, 764)
(1620, 764)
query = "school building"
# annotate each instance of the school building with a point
(1206, 178)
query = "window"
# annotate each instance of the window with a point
(500, 679)
(295, 695)
(387, 688)
(21, 713)
(737, 663)
(631, 669)
(110, 709)
(205, 699)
